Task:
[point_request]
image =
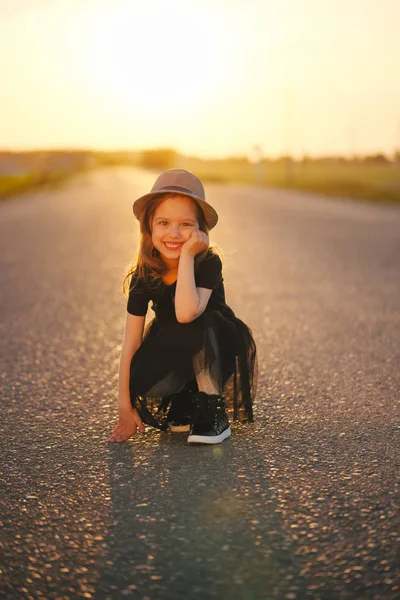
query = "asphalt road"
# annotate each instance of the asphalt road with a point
(302, 504)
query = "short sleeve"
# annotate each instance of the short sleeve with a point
(138, 299)
(209, 273)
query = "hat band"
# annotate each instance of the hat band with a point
(176, 188)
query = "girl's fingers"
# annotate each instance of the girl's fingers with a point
(204, 238)
(201, 236)
(118, 438)
(121, 434)
(140, 424)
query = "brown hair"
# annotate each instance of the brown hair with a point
(148, 263)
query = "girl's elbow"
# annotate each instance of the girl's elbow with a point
(186, 317)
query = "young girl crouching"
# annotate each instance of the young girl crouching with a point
(196, 359)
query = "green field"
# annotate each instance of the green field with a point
(368, 181)
(374, 180)
(12, 185)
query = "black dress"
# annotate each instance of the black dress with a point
(163, 364)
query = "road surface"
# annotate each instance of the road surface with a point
(302, 504)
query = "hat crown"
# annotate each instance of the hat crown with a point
(176, 179)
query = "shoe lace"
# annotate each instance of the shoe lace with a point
(202, 411)
(203, 406)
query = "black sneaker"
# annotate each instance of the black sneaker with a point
(181, 412)
(210, 424)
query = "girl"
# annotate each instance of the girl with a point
(196, 358)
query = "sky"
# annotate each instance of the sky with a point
(210, 78)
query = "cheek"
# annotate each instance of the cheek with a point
(188, 232)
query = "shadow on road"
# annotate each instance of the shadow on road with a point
(182, 525)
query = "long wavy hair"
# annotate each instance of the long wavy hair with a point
(147, 263)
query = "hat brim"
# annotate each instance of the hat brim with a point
(210, 214)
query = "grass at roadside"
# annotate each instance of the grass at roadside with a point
(375, 182)
(370, 178)
(13, 185)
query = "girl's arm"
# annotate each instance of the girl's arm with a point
(129, 419)
(190, 302)
(132, 339)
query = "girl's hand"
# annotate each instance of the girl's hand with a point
(129, 422)
(197, 242)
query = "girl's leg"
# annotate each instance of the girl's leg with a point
(210, 424)
(208, 377)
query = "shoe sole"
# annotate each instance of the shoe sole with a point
(207, 439)
(179, 428)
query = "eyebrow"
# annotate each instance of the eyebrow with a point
(166, 219)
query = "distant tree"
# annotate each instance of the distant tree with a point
(162, 158)
(396, 156)
(376, 158)
(285, 158)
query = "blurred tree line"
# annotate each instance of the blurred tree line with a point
(375, 176)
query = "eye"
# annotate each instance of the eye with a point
(187, 224)
(163, 222)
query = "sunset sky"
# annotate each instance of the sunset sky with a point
(207, 77)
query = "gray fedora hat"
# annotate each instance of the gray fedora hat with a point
(178, 181)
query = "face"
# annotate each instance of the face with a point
(173, 222)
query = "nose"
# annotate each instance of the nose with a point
(174, 232)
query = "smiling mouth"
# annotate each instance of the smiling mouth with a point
(172, 246)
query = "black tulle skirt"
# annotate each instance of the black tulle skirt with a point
(163, 364)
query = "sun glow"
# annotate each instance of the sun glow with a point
(158, 58)
(206, 77)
